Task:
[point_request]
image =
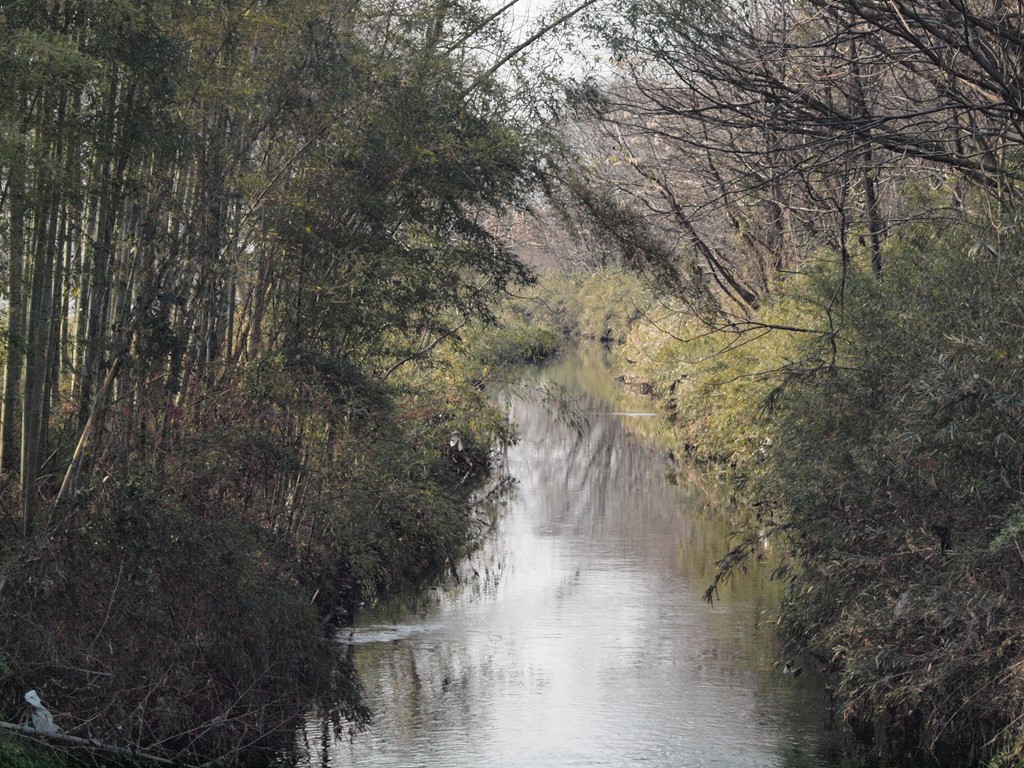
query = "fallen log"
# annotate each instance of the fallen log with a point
(78, 741)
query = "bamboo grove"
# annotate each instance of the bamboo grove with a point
(189, 186)
(227, 229)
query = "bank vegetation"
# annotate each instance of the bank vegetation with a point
(826, 196)
(242, 245)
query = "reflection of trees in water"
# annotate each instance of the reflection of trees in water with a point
(415, 682)
(601, 482)
(606, 483)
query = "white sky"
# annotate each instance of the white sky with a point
(522, 20)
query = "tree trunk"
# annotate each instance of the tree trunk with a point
(11, 426)
(33, 433)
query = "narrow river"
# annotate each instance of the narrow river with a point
(577, 636)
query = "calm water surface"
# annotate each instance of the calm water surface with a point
(576, 636)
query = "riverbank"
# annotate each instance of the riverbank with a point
(206, 584)
(877, 456)
(196, 621)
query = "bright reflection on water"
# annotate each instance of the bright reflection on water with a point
(577, 636)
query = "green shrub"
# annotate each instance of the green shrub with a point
(516, 340)
(599, 304)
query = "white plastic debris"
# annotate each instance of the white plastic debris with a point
(42, 720)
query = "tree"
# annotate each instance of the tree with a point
(763, 132)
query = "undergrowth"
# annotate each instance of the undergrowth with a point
(19, 754)
(181, 605)
(880, 446)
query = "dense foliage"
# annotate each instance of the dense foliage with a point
(234, 235)
(827, 196)
(880, 455)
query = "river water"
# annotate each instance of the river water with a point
(576, 636)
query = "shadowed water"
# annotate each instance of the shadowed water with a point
(576, 636)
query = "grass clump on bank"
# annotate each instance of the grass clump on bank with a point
(598, 304)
